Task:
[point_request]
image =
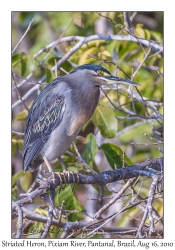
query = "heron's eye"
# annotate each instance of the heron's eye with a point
(100, 73)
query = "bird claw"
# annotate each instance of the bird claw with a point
(66, 175)
(61, 182)
(53, 176)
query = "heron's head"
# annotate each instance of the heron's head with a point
(95, 73)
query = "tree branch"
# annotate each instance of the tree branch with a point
(27, 30)
(98, 179)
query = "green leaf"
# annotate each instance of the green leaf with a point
(16, 176)
(156, 35)
(147, 34)
(104, 119)
(26, 181)
(139, 32)
(23, 59)
(15, 193)
(15, 60)
(20, 143)
(126, 47)
(31, 64)
(90, 150)
(52, 60)
(90, 60)
(115, 155)
(41, 211)
(14, 148)
(105, 55)
(77, 19)
(71, 203)
(139, 25)
(86, 55)
(120, 15)
(49, 75)
(20, 116)
(119, 25)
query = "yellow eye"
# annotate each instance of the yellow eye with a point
(100, 73)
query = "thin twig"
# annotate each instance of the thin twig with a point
(18, 134)
(56, 42)
(151, 138)
(56, 69)
(19, 96)
(81, 159)
(148, 210)
(34, 88)
(48, 224)
(113, 200)
(150, 201)
(140, 65)
(27, 30)
(36, 180)
(127, 21)
(20, 221)
(137, 96)
(25, 78)
(145, 144)
(133, 126)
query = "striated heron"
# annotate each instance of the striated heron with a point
(60, 111)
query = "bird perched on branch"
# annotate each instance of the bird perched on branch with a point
(60, 111)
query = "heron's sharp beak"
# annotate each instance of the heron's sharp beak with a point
(114, 79)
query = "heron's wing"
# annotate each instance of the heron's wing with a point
(44, 116)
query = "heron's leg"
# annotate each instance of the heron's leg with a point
(49, 168)
(64, 169)
(68, 173)
(48, 164)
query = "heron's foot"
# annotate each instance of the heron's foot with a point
(67, 177)
(53, 177)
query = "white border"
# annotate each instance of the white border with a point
(5, 94)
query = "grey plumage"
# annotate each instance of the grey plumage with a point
(60, 111)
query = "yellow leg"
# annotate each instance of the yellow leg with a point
(61, 183)
(49, 167)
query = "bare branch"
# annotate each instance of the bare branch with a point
(145, 57)
(20, 219)
(48, 224)
(84, 40)
(127, 21)
(34, 88)
(19, 96)
(113, 200)
(27, 30)
(139, 98)
(80, 159)
(98, 179)
(148, 210)
(133, 126)
(75, 228)
(17, 133)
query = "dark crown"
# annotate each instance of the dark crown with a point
(93, 67)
